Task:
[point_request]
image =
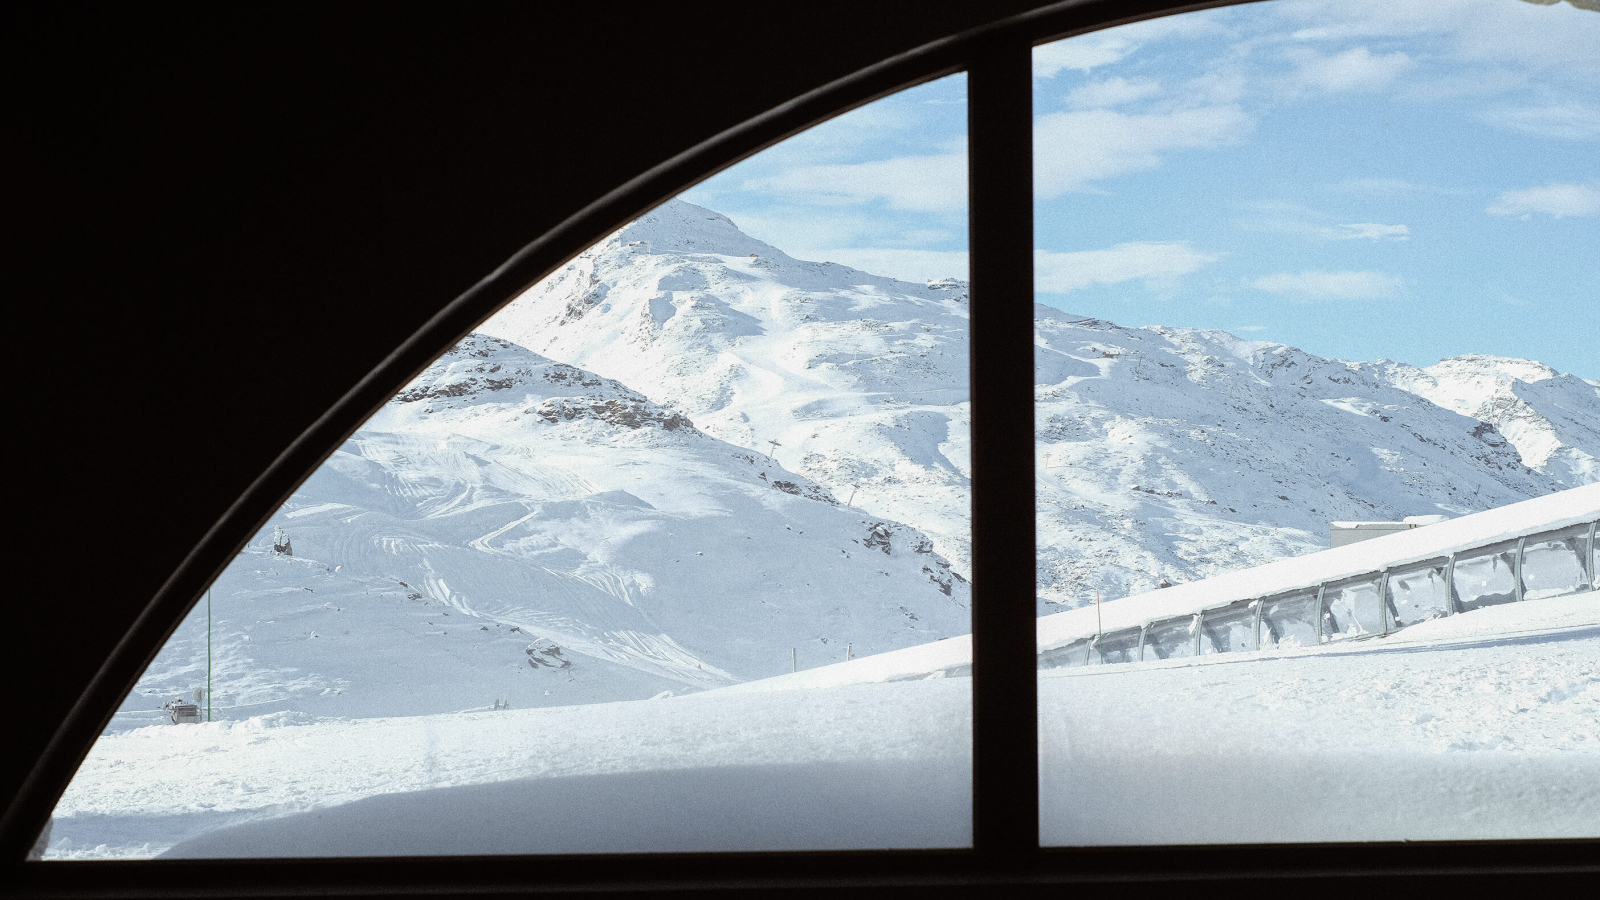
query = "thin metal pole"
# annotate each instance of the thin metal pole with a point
(1005, 729)
(208, 654)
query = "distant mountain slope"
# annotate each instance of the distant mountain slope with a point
(1174, 454)
(1242, 451)
(1551, 418)
(510, 528)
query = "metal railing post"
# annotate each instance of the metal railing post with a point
(1144, 632)
(1198, 626)
(1257, 623)
(1516, 568)
(1383, 601)
(1594, 582)
(1450, 586)
(1321, 590)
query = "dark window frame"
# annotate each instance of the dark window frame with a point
(997, 59)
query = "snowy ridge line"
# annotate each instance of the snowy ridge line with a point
(1547, 513)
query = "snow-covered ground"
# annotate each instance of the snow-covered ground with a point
(1483, 727)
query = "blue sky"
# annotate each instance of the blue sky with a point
(1410, 180)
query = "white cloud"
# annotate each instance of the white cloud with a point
(1565, 121)
(1099, 48)
(1149, 261)
(1082, 53)
(1074, 148)
(1112, 92)
(926, 183)
(1558, 40)
(1558, 200)
(1387, 187)
(1357, 69)
(1371, 231)
(906, 265)
(1330, 285)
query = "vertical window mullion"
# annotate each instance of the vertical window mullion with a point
(1005, 805)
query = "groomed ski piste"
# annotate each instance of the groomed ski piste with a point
(1476, 724)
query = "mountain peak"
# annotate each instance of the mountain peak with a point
(678, 226)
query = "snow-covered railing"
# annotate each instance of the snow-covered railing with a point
(1545, 547)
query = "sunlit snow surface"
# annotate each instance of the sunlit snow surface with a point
(1482, 725)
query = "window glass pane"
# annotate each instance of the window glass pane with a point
(1306, 274)
(670, 554)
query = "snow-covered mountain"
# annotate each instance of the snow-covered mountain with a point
(1170, 454)
(1164, 453)
(855, 381)
(513, 529)
(687, 456)
(1551, 418)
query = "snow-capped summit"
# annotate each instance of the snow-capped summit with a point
(1553, 419)
(856, 381)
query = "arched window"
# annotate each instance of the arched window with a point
(1141, 620)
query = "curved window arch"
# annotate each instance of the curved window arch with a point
(1000, 64)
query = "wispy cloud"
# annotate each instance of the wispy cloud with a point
(1074, 148)
(1089, 51)
(1558, 200)
(1357, 69)
(1563, 121)
(1112, 92)
(1388, 187)
(1288, 217)
(1370, 231)
(1151, 261)
(924, 183)
(1330, 285)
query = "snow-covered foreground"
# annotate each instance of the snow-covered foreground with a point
(1483, 725)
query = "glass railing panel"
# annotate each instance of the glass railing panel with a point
(1170, 639)
(1067, 656)
(1119, 647)
(1553, 563)
(1290, 622)
(1352, 609)
(1485, 577)
(1418, 593)
(1229, 629)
